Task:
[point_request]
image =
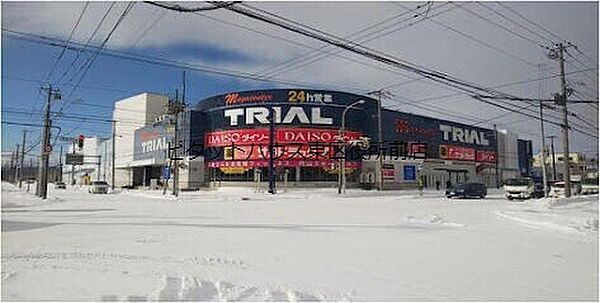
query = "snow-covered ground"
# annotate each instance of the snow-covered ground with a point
(307, 244)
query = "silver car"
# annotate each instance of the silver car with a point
(98, 187)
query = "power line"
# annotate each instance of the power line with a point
(428, 99)
(530, 21)
(474, 38)
(164, 62)
(380, 33)
(558, 38)
(592, 77)
(62, 52)
(179, 8)
(147, 30)
(516, 23)
(95, 55)
(112, 4)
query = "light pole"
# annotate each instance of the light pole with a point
(342, 170)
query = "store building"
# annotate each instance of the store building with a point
(224, 140)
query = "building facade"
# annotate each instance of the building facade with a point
(225, 139)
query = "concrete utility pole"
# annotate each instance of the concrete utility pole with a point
(46, 147)
(553, 157)
(380, 94)
(543, 153)
(72, 181)
(60, 165)
(543, 142)
(11, 166)
(175, 108)
(22, 158)
(114, 131)
(497, 158)
(561, 99)
(16, 172)
(272, 152)
(104, 162)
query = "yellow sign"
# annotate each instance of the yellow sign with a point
(233, 170)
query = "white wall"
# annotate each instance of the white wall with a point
(132, 113)
(91, 146)
(508, 156)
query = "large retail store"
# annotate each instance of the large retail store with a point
(225, 140)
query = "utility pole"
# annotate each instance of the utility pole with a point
(22, 158)
(11, 166)
(543, 153)
(497, 170)
(114, 131)
(174, 108)
(46, 147)
(272, 152)
(380, 94)
(105, 160)
(60, 164)
(16, 172)
(72, 181)
(553, 157)
(561, 99)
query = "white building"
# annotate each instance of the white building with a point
(74, 174)
(132, 113)
(508, 155)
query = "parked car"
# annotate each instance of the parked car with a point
(98, 187)
(589, 187)
(519, 188)
(467, 190)
(558, 189)
(60, 185)
(575, 187)
(538, 190)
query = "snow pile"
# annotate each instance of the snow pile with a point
(576, 216)
(22, 198)
(431, 220)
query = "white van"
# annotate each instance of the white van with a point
(520, 188)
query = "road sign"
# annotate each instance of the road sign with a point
(67, 139)
(74, 159)
(409, 173)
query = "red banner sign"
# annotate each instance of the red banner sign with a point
(329, 164)
(404, 127)
(486, 156)
(260, 136)
(450, 152)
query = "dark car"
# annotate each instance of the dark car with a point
(539, 190)
(467, 190)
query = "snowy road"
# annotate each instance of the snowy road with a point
(233, 244)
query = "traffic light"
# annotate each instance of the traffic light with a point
(80, 141)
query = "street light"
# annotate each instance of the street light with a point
(342, 170)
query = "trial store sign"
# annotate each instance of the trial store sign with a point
(152, 142)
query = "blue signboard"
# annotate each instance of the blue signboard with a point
(166, 172)
(410, 173)
(152, 142)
